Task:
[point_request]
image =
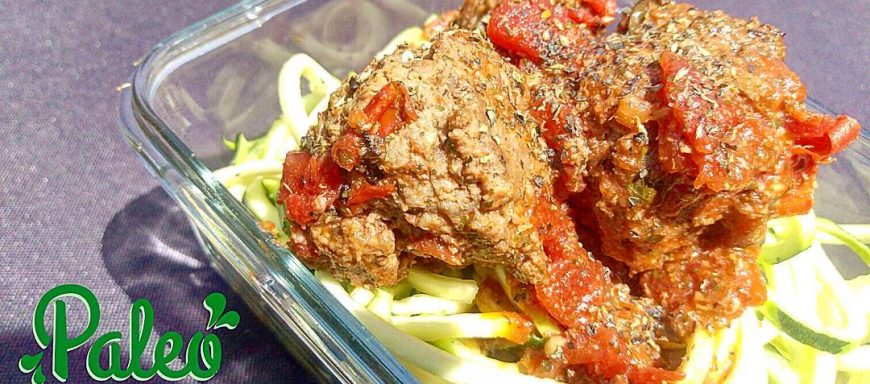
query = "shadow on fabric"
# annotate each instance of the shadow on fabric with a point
(15, 343)
(150, 251)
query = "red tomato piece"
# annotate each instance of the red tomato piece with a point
(730, 165)
(573, 291)
(703, 129)
(799, 199)
(557, 231)
(575, 281)
(600, 350)
(516, 28)
(824, 135)
(347, 150)
(554, 125)
(700, 117)
(362, 191)
(603, 8)
(554, 132)
(671, 158)
(300, 208)
(309, 186)
(294, 171)
(387, 111)
(429, 245)
(533, 29)
(389, 122)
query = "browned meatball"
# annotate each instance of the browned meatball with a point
(434, 153)
(671, 219)
(695, 134)
(439, 161)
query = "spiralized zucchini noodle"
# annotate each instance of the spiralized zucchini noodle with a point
(813, 329)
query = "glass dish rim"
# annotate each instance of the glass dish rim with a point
(153, 140)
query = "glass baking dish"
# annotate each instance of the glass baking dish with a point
(218, 78)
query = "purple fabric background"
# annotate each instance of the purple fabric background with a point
(77, 207)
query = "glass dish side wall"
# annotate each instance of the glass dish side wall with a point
(218, 78)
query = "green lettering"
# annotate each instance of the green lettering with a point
(111, 342)
(208, 347)
(162, 358)
(141, 324)
(202, 357)
(62, 343)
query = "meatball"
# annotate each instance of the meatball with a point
(694, 135)
(434, 156)
(684, 112)
(435, 153)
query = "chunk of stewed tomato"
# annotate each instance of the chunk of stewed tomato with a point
(600, 350)
(362, 191)
(573, 291)
(309, 185)
(702, 135)
(822, 134)
(559, 126)
(602, 8)
(556, 231)
(701, 118)
(430, 246)
(539, 29)
(386, 112)
(575, 281)
(347, 150)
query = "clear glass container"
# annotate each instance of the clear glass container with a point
(218, 78)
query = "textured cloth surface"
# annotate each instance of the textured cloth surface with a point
(77, 207)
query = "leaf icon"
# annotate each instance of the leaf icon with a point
(38, 377)
(28, 363)
(215, 303)
(229, 321)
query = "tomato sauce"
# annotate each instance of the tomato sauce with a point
(311, 183)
